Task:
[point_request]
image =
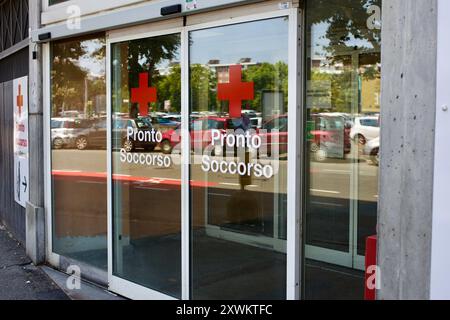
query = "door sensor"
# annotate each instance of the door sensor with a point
(45, 36)
(165, 11)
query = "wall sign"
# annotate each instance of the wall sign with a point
(191, 4)
(21, 180)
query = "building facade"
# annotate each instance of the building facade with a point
(237, 149)
(14, 49)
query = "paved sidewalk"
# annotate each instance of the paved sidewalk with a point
(19, 278)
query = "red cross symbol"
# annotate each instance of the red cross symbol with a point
(236, 91)
(144, 94)
(20, 100)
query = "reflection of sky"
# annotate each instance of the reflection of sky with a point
(262, 41)
(94, 67)
(164, 64)
(320, 41)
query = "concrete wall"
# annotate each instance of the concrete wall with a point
(407, 147)
(35, 213)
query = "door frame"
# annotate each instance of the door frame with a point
(129, 289)
(350, 258)
(116, 284)
(295, 149)
(55, 259)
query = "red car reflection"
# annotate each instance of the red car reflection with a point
(273, 133)
(200, 132)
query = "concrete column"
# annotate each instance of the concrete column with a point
(35, 213)
(409, 53)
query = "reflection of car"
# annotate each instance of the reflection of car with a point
(173, 117)
(274, 134)
(329, 136)
(119, 133)
(95, 136)
(200, 132)
(92, 137)
(256, 122)
(372, 149)
(170, 139)
(163, 124)
(70, 114)
(64, 131)
(249, 113)
(365, 129)
(272, 130)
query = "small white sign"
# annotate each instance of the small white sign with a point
(21, 180)
(284, 5)
(191, 5)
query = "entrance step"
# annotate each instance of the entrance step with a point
(87, 291)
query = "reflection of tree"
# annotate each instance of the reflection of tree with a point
(67, 76)
(69, 79)
(145, 55)
(350, 52)
(346, 19)
(203, 88)
(267, 76)
(169, 88)
(341, 89)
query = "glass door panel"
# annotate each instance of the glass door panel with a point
(343, 72)
(329, 148)
(146, 175)
(78, 149)
(238, 173)
(369, 73)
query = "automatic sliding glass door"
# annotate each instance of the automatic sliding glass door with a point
(239, 116)
(215, 225)
(146, 182)
(343, 125)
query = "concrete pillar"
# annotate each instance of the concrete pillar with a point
(409, 44)
(35, 213)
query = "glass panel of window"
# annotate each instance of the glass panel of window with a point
(238, 172)
(146, 168)
(78, 158)
(343, 72)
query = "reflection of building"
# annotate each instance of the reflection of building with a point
(222, 70)
(324, 65)
(370, 95)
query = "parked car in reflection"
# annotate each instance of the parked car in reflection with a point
(95, 136)
(372, 149)
(71, 114)
(64, 131)
(365, 129)
(329, 136)
(274, 134)
(256, 122)
(175, 117)
(120, 139)
(92, 137)
(200, 132)
(162, 123)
